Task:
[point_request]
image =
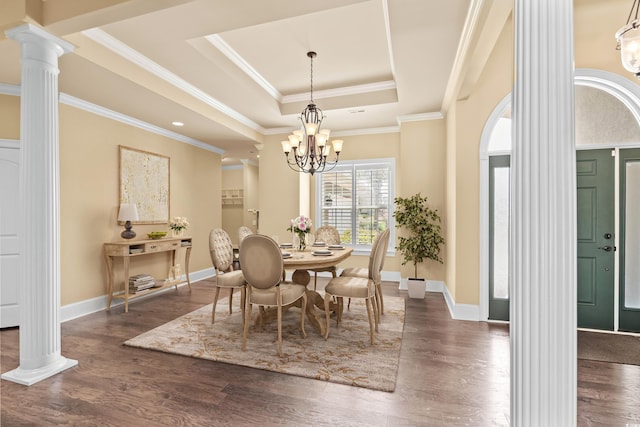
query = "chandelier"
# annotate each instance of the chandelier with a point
(310, 145)
(628, 38)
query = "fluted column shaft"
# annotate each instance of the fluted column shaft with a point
(39, 295)
(543, 218)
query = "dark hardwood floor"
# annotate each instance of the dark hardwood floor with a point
(451, 373)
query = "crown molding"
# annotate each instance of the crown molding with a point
(369, 131)
(14, 90)
(122, 118)
(224, 48)
(343, 91)
(420, 117)
(7, 89)
(156, 69)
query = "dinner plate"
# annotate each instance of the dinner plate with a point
(319, 244)
(286, 255)
(286, 245)
(336, 247)
(322, 253)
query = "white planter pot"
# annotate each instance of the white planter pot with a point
(417, 287)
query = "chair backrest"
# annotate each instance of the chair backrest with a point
(243, 232)
(378, 254)
(221, 249)
(328, 234)
(261, 261)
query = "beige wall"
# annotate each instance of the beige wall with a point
(10, 113)
(463, 189)
(421, 169)
(89, 196)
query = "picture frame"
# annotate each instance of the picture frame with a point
(145, 181)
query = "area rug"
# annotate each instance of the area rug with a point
(605, 347)
(346, 357)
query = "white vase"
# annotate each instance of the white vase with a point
(177, 233)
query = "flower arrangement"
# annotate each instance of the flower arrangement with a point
(178, 223)
(300, 226)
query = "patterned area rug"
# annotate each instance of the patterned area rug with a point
(346, 357)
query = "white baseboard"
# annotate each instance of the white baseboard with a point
(93, 305)
(457, 311)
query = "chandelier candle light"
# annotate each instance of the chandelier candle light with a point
(628, 38)
(310, 145)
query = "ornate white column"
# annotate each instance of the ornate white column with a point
(39, 294)
(543, 218)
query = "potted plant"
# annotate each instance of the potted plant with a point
(424, 239)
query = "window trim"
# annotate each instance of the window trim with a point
(390, 162)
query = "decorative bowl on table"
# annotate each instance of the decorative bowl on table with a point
(156, 234)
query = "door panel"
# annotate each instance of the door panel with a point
(595, 227)
(629, 311)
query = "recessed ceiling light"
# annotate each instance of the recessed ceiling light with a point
(177, 123)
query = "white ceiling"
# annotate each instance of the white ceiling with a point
(235, 71)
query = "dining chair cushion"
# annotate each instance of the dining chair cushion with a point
(355, 272)
(230, 279)
(350, 287)
(289, 292)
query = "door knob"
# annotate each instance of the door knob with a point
(607, 248)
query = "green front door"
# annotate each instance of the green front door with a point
(595, 203)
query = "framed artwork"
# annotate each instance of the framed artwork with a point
(144, 180)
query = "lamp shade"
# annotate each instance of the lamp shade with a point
(128, 212)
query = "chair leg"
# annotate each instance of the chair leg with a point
(315, 280)
(243, 302)
(376, 313)
(379, 299)
(327, 313)
(247, 320)
(304, 311)
(215, 302)
(230, 299)
(340, 309)
(368, 303)
(279, 329)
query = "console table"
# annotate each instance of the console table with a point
(136, 248)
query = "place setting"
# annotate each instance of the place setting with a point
(322, 252)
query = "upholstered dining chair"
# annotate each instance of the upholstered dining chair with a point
(331, 236)
(262, 265)
(358, 287)
(221, 251)
(243, 232)
(381, 238)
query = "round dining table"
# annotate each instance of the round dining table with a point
(311, 258)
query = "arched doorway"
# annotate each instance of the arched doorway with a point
(608, 124)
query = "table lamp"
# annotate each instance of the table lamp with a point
(128, 213)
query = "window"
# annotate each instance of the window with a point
(357, 198)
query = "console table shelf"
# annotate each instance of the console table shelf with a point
(131, 249)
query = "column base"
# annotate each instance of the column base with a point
(31, 376)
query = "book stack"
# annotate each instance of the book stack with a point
(140, 282)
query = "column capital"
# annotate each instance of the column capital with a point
(32, 33)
